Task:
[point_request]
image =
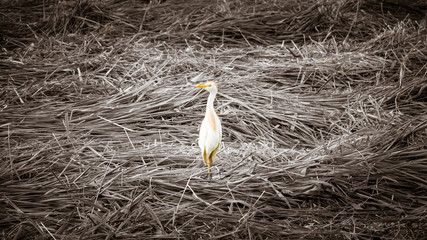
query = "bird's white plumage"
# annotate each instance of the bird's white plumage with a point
(208, 138)
(210, 131)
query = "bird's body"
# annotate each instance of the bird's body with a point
(210, 131)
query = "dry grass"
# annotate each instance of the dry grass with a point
(323, 105)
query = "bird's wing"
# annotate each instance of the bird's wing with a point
(212, 141)
(203, 133)
(219, 127)
(213, 138)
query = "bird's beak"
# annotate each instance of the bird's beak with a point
(203, 85)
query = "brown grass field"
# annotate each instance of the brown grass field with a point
(323, 105)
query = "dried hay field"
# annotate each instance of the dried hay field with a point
(323, 106)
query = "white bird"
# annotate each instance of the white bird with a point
(211, 131)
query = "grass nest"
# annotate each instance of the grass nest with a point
(323, 106)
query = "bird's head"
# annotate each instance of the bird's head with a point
(210, 86)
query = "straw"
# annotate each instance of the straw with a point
(322, 106)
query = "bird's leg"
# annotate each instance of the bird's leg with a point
(209, 169)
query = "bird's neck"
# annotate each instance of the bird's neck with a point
(210, 104)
